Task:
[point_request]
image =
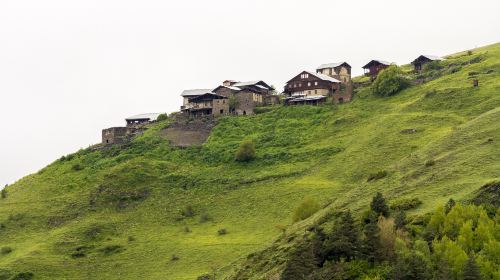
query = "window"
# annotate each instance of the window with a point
(221, 111)
(304, 76)
(300, 84)
(315, 91)
(308, 84)
(315, 83)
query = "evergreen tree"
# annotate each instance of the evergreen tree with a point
(412, 267)
(300, 265)
(471, 270)
(379, 205)
(449, 205)
(400, 220)
(344, 239)
(371, 244)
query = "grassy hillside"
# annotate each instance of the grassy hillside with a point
(149, 210)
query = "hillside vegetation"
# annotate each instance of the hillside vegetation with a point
(149, 210)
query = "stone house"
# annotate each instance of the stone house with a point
(245, 96)
(373, 67)
(119, 135)
(208, 104)
(190, 93)
(339, 70)
(309, 86)
(419, 62)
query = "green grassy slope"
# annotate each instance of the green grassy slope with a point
(115, 214)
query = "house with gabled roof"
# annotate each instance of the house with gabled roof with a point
(206, 104)
(310, 86)
(338, 70)
(190, 93)
(373, 67)
(246, 96)
(419, 62)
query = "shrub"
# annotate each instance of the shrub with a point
(389, 82)
(174, 258)
(187, 229)
(246, 152)
(5, 250)
(433, 65)
(204, 218)
(23, 276)
(162, 117)
(376, 176)
(406, 204)
(222, 231)
(204, 277)
(77, 167)
(430, 163)
(131, 239)
(188, 211)
(112, 249)
(306, 208)
(3, 193)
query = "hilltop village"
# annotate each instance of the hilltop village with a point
(331, 81)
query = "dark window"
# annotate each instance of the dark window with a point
(244, 112)
(221, 111)
(341, 100)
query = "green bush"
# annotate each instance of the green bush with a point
(188, 211)
(433, 65)
(430, 163)
(204, 277)
(246, 152)
(376, 176)
(77, 167)
(390, 81)
(23, 276)
(5, 250)
(222, 231)
(162, 117)
(3, 193)
(306, 208)
(406, 204)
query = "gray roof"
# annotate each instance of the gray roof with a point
(195, 92)
(432, 57)
(307, 98)
(330, 65)
(323, 77)
(147, 116)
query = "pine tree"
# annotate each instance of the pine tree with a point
(379, 205)
(371, 244)
(300, 265)
(412, 267)
(400, 220)
(471, 270)
(344, 239)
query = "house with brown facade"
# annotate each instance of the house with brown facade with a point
(245, 96)
(207, 104)
(310, 88)
(339, 70)
(373, 67)
(419, 62)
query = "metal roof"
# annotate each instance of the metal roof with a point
(307, 98)
(379, 61)
(195, 92)
(331, 65)
(432, 57)
(251, 83)
(323, 77)
(147, 116)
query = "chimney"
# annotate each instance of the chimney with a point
(228, 83)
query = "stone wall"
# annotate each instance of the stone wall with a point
(119, 135)
(220, 107)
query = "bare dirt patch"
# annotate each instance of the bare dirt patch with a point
(187, 133)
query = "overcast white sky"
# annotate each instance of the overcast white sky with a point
(70, 68)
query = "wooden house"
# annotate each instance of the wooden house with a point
(373, 67)
(207, 104)
(190, 93)
(419, 62)
(309, 86)
(340, 71)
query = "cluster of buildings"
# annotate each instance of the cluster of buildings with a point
(332, 80)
